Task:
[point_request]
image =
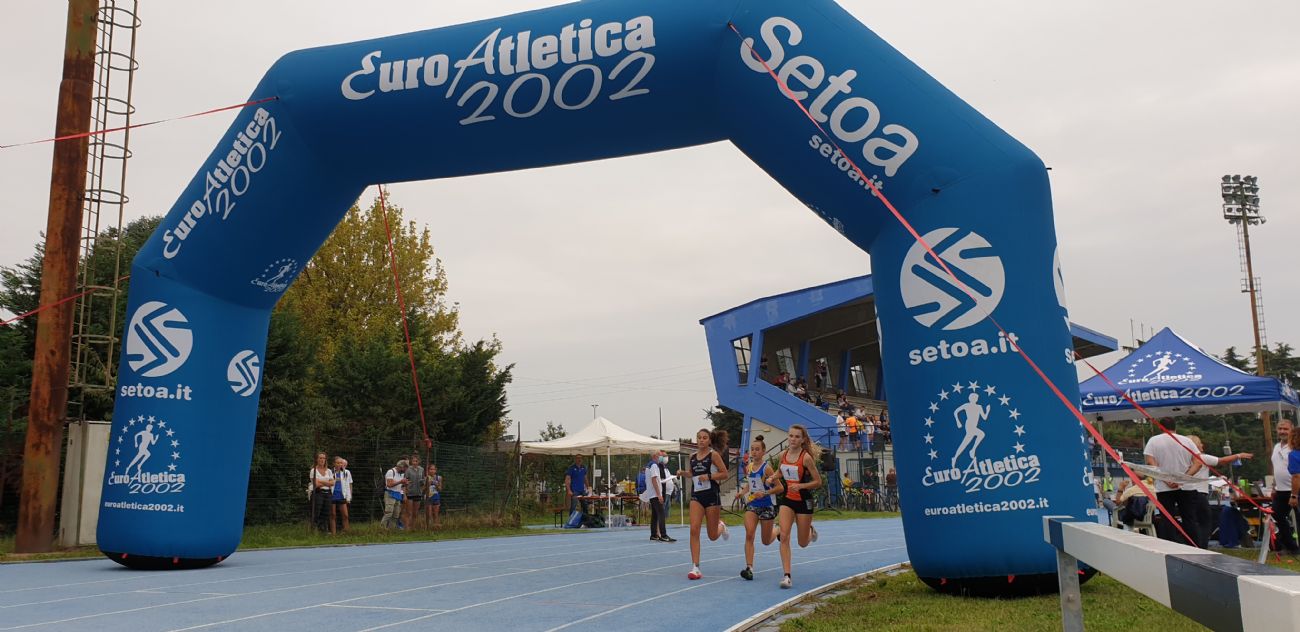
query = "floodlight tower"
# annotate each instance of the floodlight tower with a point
(1241, 209)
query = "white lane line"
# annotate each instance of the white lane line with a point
(599, 579)
(453, 543)
(321, 571)
(325, 583)
(335, 605)
(105, 614)
(390, 593)
(656, 597)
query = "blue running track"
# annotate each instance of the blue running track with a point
(583, 580)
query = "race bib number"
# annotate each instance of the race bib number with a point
(702, 481)
(790, 472)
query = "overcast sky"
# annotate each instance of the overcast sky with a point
(1138, 107)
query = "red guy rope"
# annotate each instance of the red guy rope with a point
(55, 304)
(401, 304)
(147, 124)
(920, 240)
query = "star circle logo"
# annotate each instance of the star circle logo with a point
(244, 372)
(158, 339)
(277, 276)
(931, 296)
(1162, 367)
(148, 453)
(976, 435)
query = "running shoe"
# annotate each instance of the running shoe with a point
(724, 535)
(667, 539)
(814, 535)
(747, 574)
(786, 582)
(655, 538)
(694, 574)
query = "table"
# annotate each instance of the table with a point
(598, 502)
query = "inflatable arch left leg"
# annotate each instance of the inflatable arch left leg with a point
(983, 450)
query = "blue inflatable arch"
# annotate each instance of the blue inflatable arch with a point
(983, 449)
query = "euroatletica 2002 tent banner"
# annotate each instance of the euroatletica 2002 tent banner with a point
(1169, 376)
(984, 450)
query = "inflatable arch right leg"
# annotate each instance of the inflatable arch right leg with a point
(983, 450)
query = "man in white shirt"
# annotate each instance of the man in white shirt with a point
(1282, 489)
(1172, 453)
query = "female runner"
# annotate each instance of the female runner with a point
(707, 467)
(759, 506)
(799, 472)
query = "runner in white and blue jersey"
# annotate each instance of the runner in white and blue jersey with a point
(760, 503)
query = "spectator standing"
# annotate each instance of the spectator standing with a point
(655, 495)
(575, 484)
(1171, 453)
(394, 494)
(869, 430)
(855, 432)
(322, 483)
(842, 427)
(342, 494)
(415, 487)
(820, 373)
(433, 498)
(1293, 471)
(1205, 523)
(1282, 489)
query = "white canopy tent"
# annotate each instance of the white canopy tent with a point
(601, 435)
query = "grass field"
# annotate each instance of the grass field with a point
(902, 602)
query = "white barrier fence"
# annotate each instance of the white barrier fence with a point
(1218, 591)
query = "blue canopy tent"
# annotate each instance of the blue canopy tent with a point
(1170, 377)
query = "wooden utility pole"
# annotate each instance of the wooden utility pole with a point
(49, 398)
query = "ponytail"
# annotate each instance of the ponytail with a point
(718, 441)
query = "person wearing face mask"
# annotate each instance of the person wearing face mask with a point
(656, 494)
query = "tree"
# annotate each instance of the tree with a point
(552, 431)
(20, 288)
(346, 290)
(291, 416)
(723, 418)
(474, 399)
(1279, 362)
(1232, 359)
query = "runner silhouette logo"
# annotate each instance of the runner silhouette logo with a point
(933, 299)
(158, 339)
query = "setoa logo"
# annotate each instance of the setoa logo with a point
(158, 339)
(244, 372)
(931, 296)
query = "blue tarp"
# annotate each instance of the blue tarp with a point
(1170, 376)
